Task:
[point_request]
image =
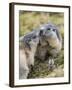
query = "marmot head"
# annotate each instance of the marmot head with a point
(49, 33)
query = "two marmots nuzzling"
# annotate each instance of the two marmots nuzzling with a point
(43, 43)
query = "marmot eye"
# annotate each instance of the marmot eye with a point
(54, 30)
(48, 29)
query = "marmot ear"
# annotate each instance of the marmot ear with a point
(41, 33)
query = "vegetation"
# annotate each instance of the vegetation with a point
(31, 20)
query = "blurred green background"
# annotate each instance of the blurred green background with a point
(29, 21)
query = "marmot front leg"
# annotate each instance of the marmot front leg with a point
(51, 64)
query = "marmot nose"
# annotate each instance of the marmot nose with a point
(41, 32)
